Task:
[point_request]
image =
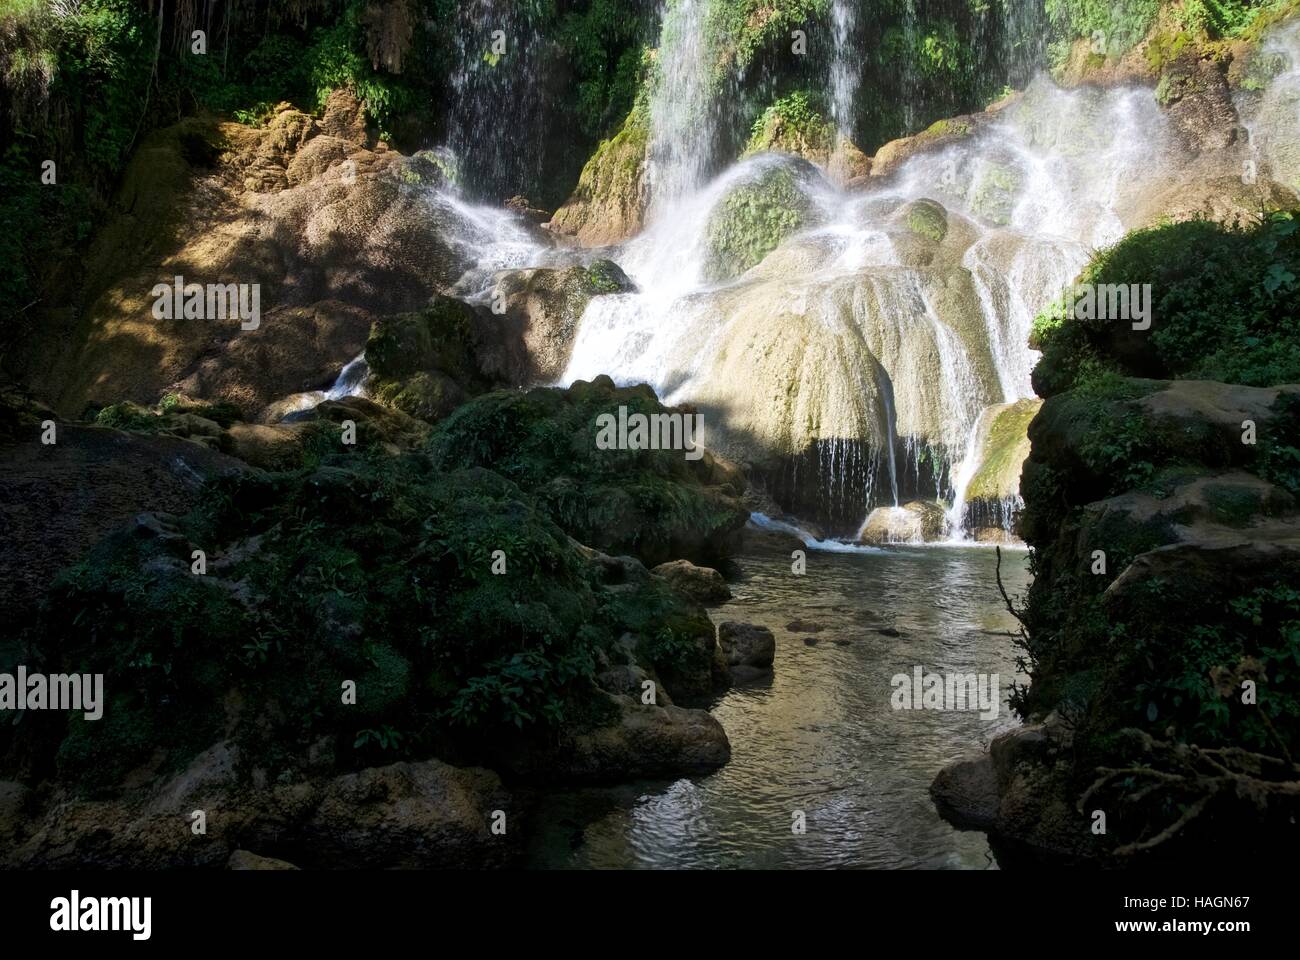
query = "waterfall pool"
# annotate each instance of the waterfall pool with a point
(820, 736)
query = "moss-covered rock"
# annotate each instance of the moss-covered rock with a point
(654, 504)
(426, 363)
(794, 124)
(756, 215)
(609, 203)
(1005, 447)
(928, 219)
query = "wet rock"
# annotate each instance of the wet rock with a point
(703, 584)
(966, 794)
(542, 307)
(917, 521)
(749, 649)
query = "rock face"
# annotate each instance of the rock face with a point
(57, 500)
(699, 583)
(327, 228)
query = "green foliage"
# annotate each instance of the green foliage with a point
(936, 51)
(794, 123)
(1114, 26)
(1223, 308)
(602, 43)
(1224, 19)
(739, 29)
(654, 504)
(375, 569)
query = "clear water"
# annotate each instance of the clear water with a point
(820, 736)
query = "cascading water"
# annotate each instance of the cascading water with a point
(943, 326)
(845, 66)
(867, 351)
(498, 97)
(681, 106)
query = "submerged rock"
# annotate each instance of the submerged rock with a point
(750, 649)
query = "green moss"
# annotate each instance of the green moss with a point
(654, 504)
(929, 219)
(753, 219)
(1004, 451)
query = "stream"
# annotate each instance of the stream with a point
(820, 735)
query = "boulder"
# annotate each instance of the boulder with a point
(609, 203)
(410, 816)
(542, 309)
(699, 583)
(750, 649)
(644, 742)
(917, 521)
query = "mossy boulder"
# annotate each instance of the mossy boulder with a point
(653, 504)
(753, 218)
(609, 203)
(426, 363)
(927, 218)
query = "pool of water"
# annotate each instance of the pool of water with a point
(821, 736)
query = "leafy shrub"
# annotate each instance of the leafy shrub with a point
(1223, 308)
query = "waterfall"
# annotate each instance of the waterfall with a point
(498, 98)
(682, 105)
(856, 363)
(845, 65)
(903, 346)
